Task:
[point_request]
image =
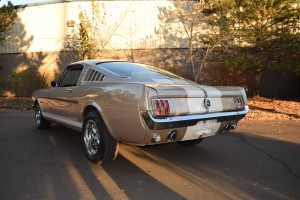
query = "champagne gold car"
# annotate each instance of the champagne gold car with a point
(119, 101)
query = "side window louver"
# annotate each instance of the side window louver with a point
(94, 76)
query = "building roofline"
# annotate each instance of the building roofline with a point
(58, 1)
(40, 3)
(49, 2)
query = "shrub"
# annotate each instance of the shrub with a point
(24, 82)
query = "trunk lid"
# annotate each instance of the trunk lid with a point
(186, 99)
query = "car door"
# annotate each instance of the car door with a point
(62, 104)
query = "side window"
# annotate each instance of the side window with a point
(70, 76)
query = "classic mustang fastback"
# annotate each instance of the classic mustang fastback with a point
(118, 101)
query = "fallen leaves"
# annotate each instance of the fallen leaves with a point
(264, 109)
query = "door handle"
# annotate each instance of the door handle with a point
(69, 90)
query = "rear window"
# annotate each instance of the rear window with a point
(136, 70)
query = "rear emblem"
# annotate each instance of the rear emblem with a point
(206, 103)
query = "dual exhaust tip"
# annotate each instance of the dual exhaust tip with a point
(173, 134)
(229, 126)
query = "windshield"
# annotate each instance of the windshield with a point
(136, 70)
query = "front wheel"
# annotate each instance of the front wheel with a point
(99, 146)
(40, 121)
(190, 142)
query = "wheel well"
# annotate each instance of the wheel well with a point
(35, 103)
(92, 108)
(88, 109)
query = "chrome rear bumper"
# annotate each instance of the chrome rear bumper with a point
(191, 120)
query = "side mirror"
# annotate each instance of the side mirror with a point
(53, 84)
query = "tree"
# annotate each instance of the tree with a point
(93, 35)
(7, 18)
(196, 22)
(87, 32)
(265, 36)
(259, 22)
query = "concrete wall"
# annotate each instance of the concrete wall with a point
(272, 84)
(57, 61)
(53, 63)
(132, 25)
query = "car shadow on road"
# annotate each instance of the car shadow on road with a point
(120, 179)
(50, 164)
(53, 166)
(248, 165)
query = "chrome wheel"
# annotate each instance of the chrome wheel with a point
(40, 121)
(99, 146)
(38, 115)
(91, 137)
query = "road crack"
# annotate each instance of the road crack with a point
(284, 164)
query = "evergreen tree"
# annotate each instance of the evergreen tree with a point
(260, 22)
(7, 18)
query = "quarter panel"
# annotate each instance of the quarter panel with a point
(119, 108)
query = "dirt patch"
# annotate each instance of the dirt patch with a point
(15, 103)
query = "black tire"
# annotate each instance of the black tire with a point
(40, 121)
(190, 142)
(99, 146)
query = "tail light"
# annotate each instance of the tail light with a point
(239, 102)
(161, 107)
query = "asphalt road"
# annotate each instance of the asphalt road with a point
(256, 161)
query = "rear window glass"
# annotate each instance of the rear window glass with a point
(136, 70)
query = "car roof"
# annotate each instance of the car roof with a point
(96, 62)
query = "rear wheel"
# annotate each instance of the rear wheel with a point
(99, 146)
(40, 121)
(190, 142)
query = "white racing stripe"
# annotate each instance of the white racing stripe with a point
(216, 104)
(215, 97)
(193, 91)
(181, 81)
(195, 105)
(202, 129)
(163, 81)
(211, 91)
